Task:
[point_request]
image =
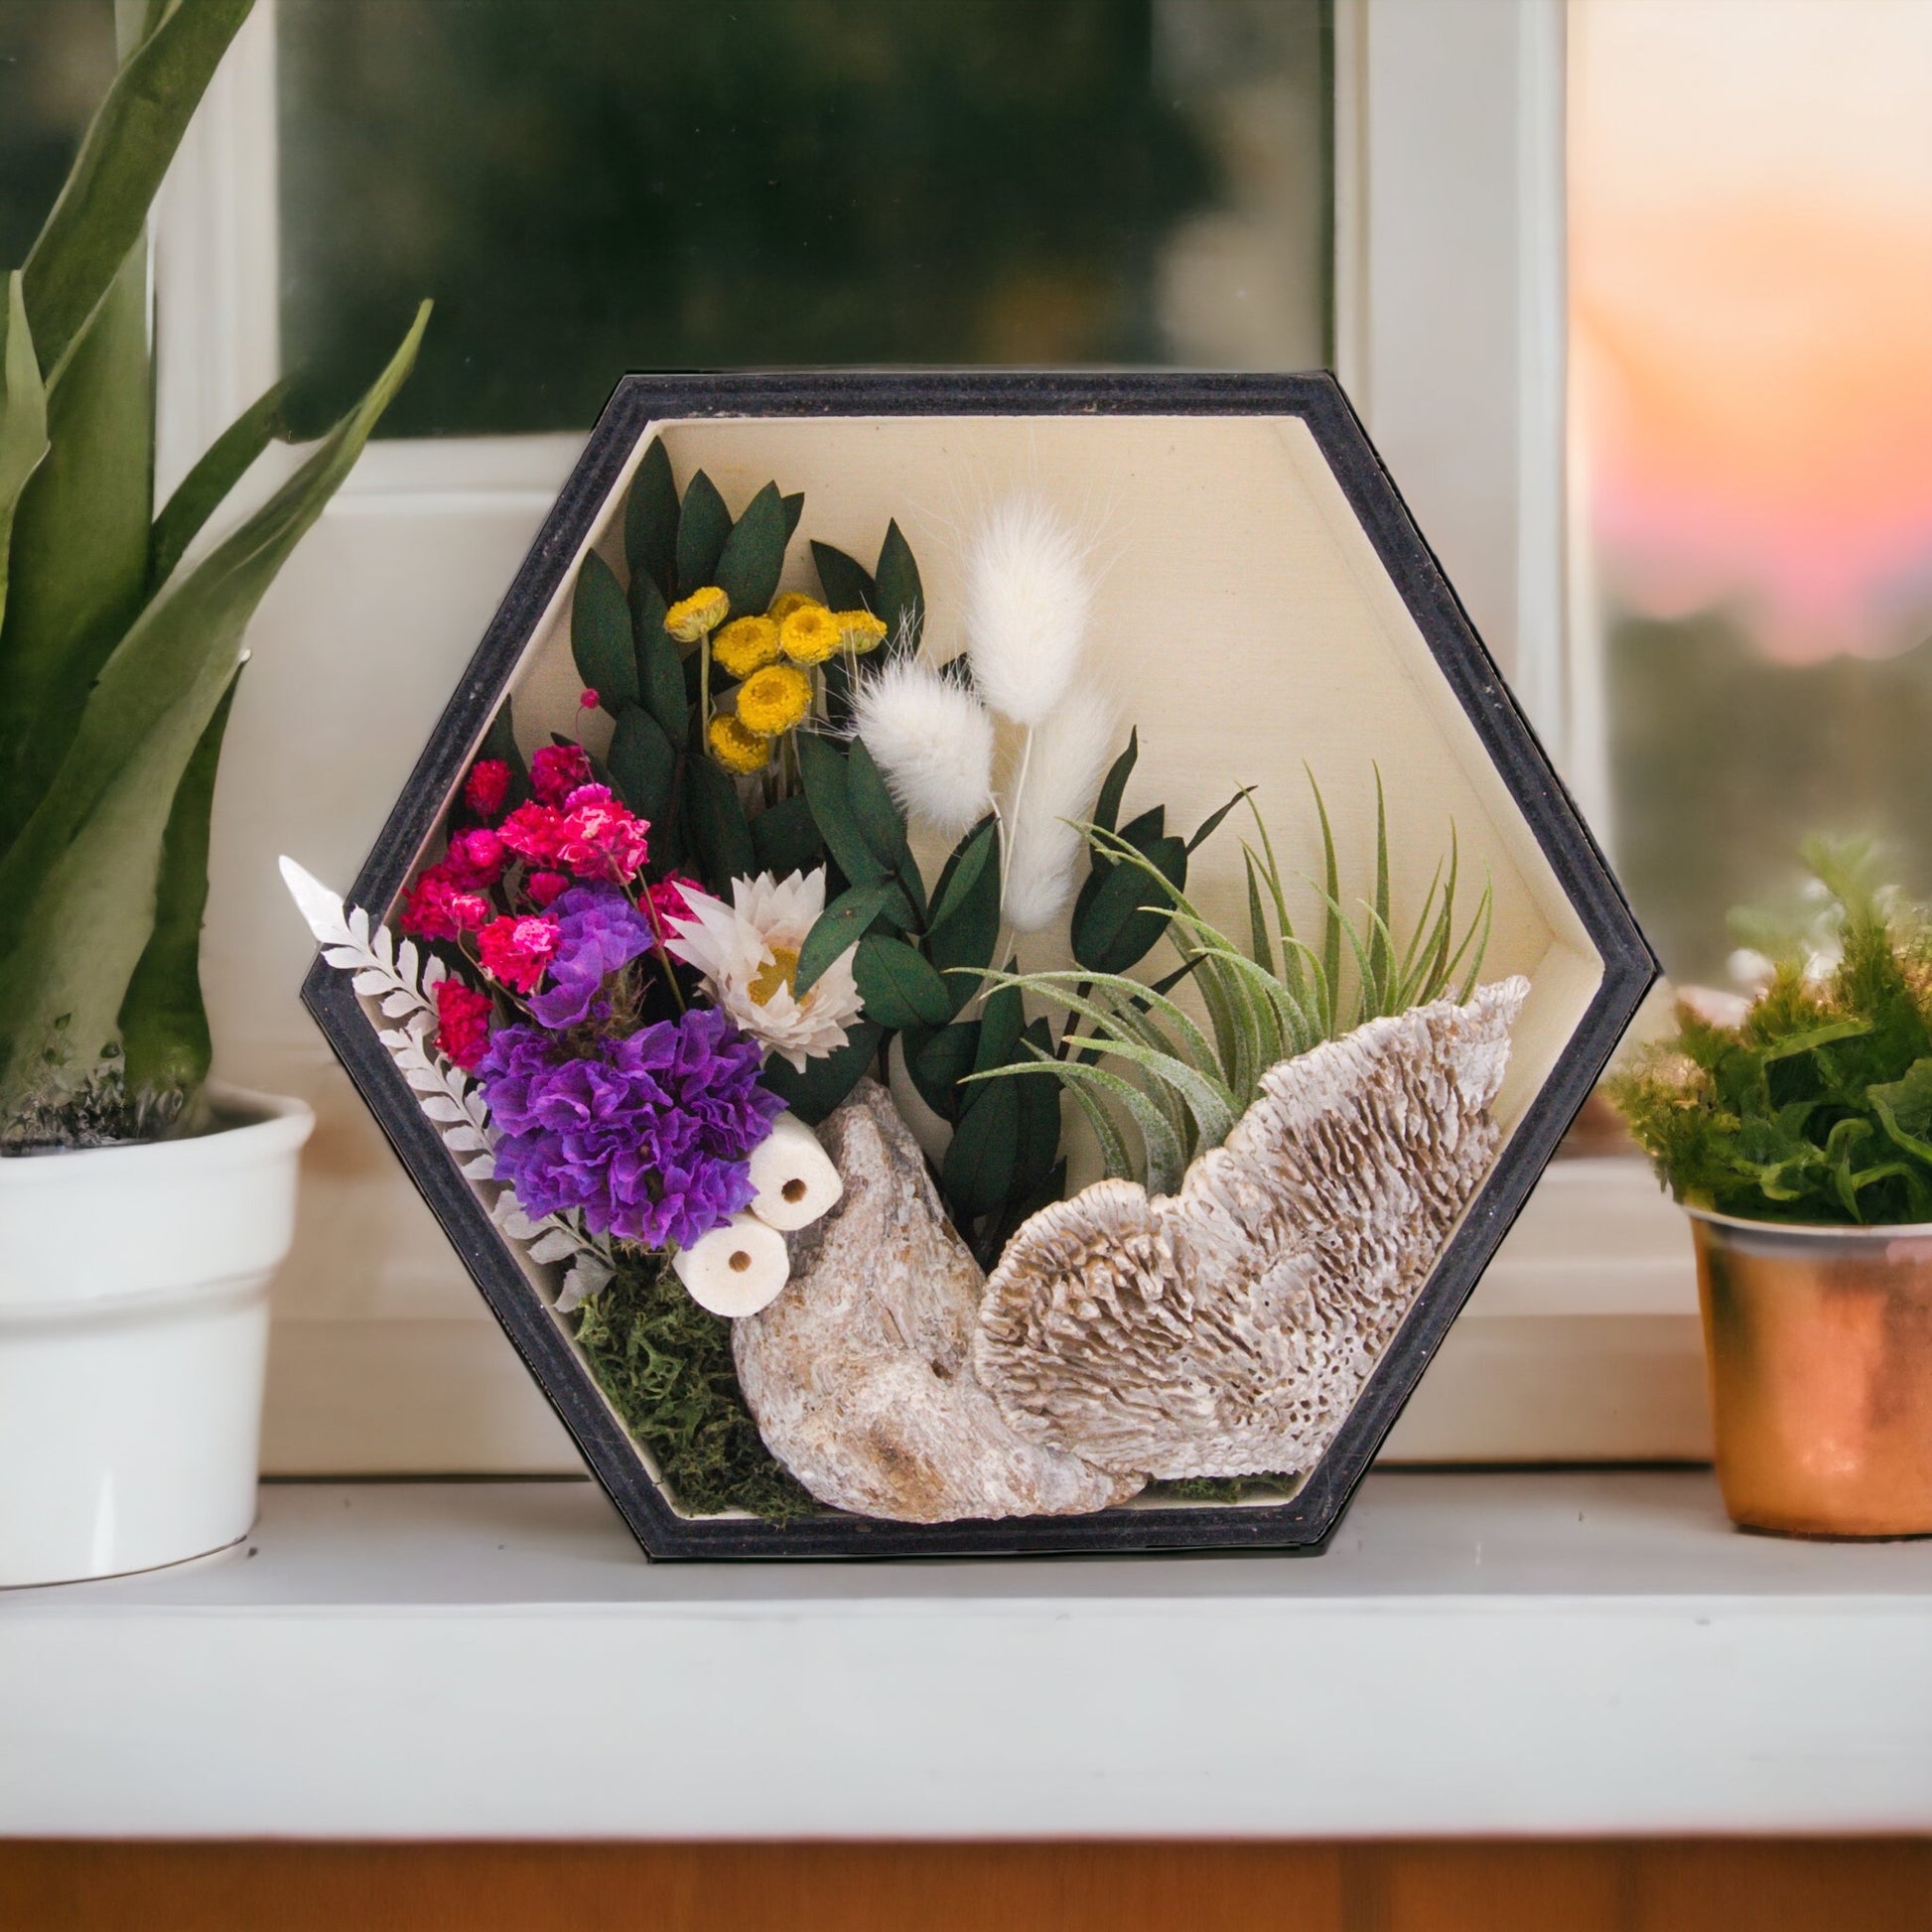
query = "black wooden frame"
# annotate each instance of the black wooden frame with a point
(1300, 1523)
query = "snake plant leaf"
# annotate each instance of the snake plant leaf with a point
(23, 415)
(599, 636)
(103, 206)
(703, 524)
(206, 487)
(77, 886)
(753, 556)
(78, 572)
(901, 599)
(847, 584)
(650, 522)
(165, 1042)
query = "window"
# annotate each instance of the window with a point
(54, 63)
(1752, 265)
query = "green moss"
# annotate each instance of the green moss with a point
(666, 1366)
(1224, 1489)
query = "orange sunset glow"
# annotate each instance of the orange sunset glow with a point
(1751, 284)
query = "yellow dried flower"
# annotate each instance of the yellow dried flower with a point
(787, 602)
(698, 614)
(860, 630)
(736, 745)
(810, 635)
(775, 699)
(745, 645)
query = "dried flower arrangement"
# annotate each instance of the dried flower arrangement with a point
(641, 990)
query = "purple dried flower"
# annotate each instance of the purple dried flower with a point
(650, 1135)
(599, 930)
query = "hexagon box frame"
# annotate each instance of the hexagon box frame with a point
(1229, 508)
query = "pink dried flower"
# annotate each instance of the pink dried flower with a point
(533, 831)
(462, 1023)
(476, 858)
(546, 887)
(667, 898)
(589, 698)
(602, 839)
(515, 951)
(487, 785)
(557, 770)
(588, 795)
(443, 905)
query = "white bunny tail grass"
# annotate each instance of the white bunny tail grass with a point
(934, 741)
(1028, 601)
(1064, 767)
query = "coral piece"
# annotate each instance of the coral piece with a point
(860, 1374)
(1228, 1329)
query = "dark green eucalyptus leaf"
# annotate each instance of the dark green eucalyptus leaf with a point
(1039, 1116)
(1106, 811)
(965, 927)
(965, 866)
(1141, 833)
(500, 742)
(721, 835)
(901, 601)
(651, 520)
(939, 1060)
(875, 809)
(786, 837)
(847, 584)
(660, 664)
(980, 1164)
(843, 923)
(754, 555)
(1211, 823)
(822, 765)
(703, 524)
(1002, 1021)
(599, 636)
(643, 763)
(812, 1094)
(837, 676)
(899, 987)
(1113, 931)
(795, 508)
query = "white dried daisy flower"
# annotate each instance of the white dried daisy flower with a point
(1067, 759)
(934, 741)
(1028, 601)
(748, 952)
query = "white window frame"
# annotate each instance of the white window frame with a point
(1451, 317)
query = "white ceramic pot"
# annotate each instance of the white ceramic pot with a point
(133, 1337)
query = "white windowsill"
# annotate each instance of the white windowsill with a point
(1566, 1652)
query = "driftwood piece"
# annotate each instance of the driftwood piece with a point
(1229, 1328)
(860, 1374)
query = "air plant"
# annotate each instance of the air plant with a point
(1275, 999)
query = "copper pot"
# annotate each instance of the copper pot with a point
(1819, 1344)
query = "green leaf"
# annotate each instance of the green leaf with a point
(1331, 892)
(939, 1061)
(1166, 1156)
(965, 867)
(982, 1163)
(206, 487)
(165, 1044)
(650, 522)
(1106, 811)
(23, 415)
(812, 1094)
(1379, 947)
(1003, 1019)
(642, 764)
(599, 636)
(822, 765)
(841, 924)
(1118, 1161)
(875, 810)
(660, 666)
(77, 574)
(1039, 1117)
(76, 888)
(847, 585)
(1211, 823)
(500, 742)
(965, 926)
(702, 527)
(102, 207)
(795, 508)
(899, 987)
(720, 832)
(901, 603)
(1122, 923)
(786, 838)
(753, 556)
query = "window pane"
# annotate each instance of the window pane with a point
(57, 58)
(1751, 254)
(637, 183)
